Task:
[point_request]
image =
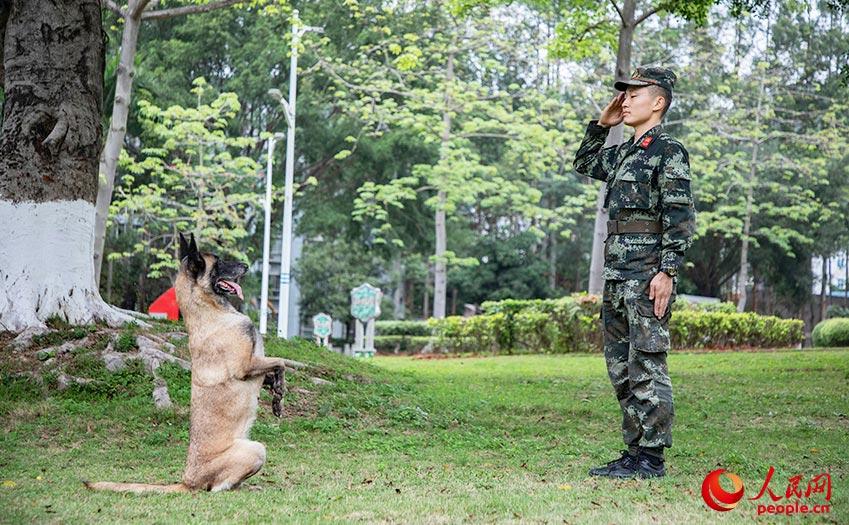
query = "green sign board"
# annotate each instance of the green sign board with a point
(321, 325)
(365, 302)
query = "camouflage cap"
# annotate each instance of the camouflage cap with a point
(644, 76)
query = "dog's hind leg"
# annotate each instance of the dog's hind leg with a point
(241, 461)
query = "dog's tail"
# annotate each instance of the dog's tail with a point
(137, 488)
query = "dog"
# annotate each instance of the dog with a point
(228, 370)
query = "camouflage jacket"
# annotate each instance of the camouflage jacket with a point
(645, 181)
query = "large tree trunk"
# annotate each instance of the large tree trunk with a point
(614, 137)
(117, 127)
(53, 64)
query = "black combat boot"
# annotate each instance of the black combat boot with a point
(649, 465)
(625, 463)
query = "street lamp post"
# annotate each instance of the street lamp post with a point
(289, 108)
(266, 239)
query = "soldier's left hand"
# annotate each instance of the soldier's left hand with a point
(660, 290)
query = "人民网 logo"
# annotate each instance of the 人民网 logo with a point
(718, 498)
(794, 500)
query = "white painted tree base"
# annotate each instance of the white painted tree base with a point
(46, 268)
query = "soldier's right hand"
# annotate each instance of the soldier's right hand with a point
(612, 115)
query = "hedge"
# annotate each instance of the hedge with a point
(566, 324)
(400, 343)
(401, 336)
(572, 324)
(831, 332)
(479, 333)
(408, 328)
(698, 329)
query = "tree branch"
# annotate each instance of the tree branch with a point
(622, 18)
(645, 15)
(326, 66)
(115, 8)
(187, 10)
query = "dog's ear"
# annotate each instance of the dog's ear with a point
(184, 247)
(194, 263)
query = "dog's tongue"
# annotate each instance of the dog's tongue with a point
(236, 288)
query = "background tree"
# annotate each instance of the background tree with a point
(193, 179)
(132, 15)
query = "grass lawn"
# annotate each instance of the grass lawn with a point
(483, 439)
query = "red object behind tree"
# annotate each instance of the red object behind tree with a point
(166, 304)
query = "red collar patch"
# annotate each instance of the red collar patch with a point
(646, 141)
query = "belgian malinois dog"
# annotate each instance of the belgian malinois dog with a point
(228, 370)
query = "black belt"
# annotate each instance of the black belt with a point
(617, 227)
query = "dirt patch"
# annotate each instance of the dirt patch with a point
(5, 338)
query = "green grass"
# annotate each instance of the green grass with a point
(494, 439)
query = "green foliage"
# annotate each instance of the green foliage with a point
(694, 329)
(402, 336)
(479, 333)
(486, 152)
(401, 343)
(333, 268)
(126, 340)
(403, 328)
(723, 307)
(61, 335)
(831, 332)
(372, 95)
(188, 177)
(572, 324)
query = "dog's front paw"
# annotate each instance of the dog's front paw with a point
(276, 381)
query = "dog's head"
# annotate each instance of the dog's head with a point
(207, 272)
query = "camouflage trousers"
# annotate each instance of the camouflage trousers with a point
(635, 348)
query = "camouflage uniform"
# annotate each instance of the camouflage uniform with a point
(652, 223)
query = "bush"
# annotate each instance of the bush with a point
(566, 324)
(408, 328)
(727, 308)
(831, 332)
(480, 333)
(401, 336)
(400, 343)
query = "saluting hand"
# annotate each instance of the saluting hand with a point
(612, 115)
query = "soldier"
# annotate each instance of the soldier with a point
(652, 223)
